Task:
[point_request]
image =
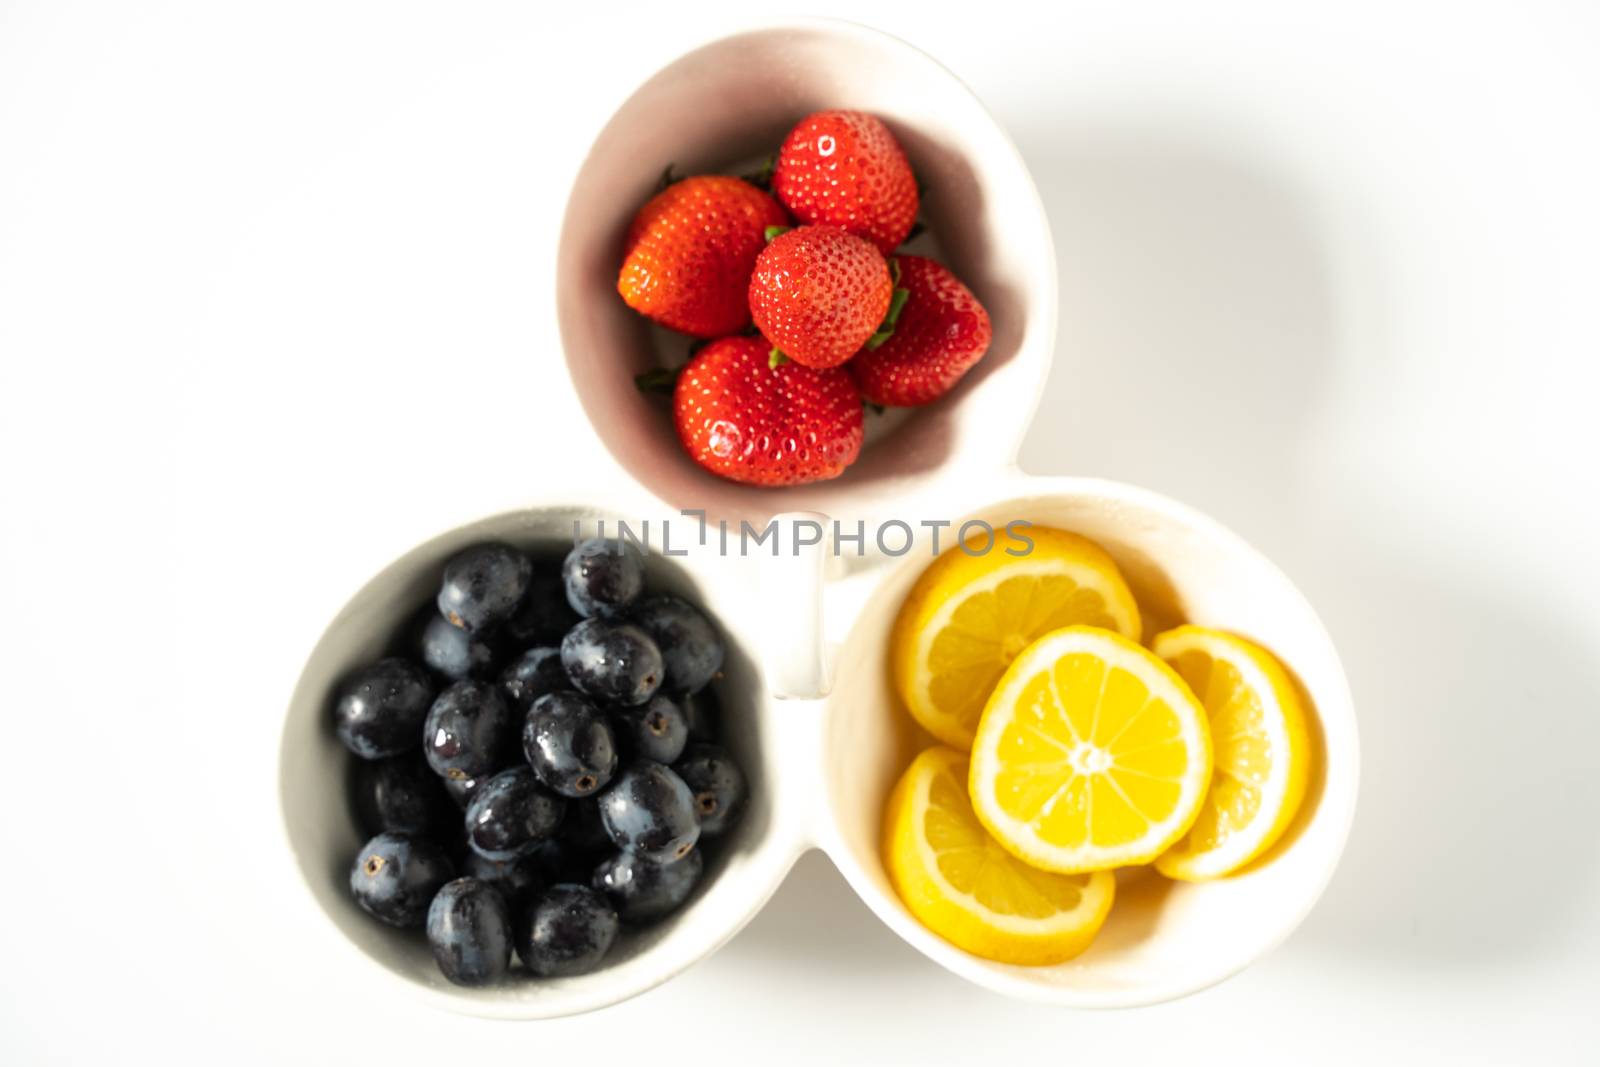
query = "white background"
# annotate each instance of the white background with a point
(275, 304)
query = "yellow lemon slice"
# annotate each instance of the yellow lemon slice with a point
(1261, 751)
(969, 615)
(1092, 753)
(967, 889)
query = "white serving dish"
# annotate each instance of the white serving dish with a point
(810, 714)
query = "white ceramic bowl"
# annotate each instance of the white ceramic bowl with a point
(821, 768)
(735, 99)
(1164, 939)
(743, 871)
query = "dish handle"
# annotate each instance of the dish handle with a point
(793, 651)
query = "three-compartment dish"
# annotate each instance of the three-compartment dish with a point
(809, 707)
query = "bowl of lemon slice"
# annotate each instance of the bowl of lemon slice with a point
(1114, 759)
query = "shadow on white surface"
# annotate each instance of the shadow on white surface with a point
(820, 932)
(1197, 317)
(1202, 324)
(1479, 729)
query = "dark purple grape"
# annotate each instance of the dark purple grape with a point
(455, 653)
(569, 744)
(649, 809)
(483, 584)
(718, 786)
(470, 731)
(379, 710)
(690, 646)
(603, 576)
(469, 929)
(511, 814)
(395, 877)
(613, 662)
(568, 931)
(642, 889)
(656, 730)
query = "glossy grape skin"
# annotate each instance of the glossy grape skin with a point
(454, 653)
(644, 890)
(569, 744)
(469, 930)
(650, 809)
(380, 709)
(568, 931)
(400, 794)
(718, 785)
(615, 663)
(603, 576)
(483, 584)
(691, 648)
(533, 674)
(656, 730)
(395, 876)
(511, 815)
(470, 731)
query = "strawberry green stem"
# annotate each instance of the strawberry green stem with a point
(661, 380)
(762, 179)
(885, 331)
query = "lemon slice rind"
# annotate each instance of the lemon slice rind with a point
(1284, 725)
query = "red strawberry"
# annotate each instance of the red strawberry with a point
(747, 420)
(690, 252)
(845, 169)
(940, 333)
(818, 293)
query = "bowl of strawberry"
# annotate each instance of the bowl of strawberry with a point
(805, 258)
